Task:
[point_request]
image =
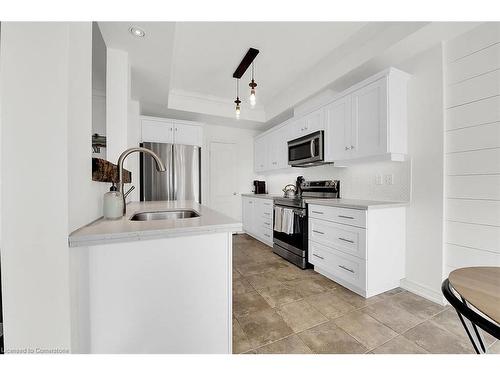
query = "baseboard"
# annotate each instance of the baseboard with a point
(423, 291)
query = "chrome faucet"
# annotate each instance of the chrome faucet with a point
(159, 167)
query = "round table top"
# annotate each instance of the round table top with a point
(479, 286)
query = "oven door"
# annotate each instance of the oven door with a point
(306, 150)
(293, 246)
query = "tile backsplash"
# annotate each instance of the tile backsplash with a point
(357, 182)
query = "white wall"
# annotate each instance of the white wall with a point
(472, 135)
(243, 139)
(47, 190)
(117, 101)
(34, 92)
(424, 228)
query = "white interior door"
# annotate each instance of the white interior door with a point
(224, 195)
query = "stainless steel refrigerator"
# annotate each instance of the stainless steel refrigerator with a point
(181, 181)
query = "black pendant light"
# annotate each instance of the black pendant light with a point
(252, 85)
(238, 73)
(238, 101)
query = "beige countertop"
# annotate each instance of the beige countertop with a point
(104, 231)
(357, 204)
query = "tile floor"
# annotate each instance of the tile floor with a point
(278, 308)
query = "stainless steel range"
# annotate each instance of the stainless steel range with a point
(290, 219)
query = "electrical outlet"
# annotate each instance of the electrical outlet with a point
(389, 179)
(378, 179)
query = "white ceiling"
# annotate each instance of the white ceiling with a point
(186, 68)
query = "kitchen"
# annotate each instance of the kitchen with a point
(321, 218)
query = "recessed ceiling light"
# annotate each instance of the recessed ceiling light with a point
(137, 31)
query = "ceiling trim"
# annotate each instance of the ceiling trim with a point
(211, 105)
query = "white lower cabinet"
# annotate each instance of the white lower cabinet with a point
(363, 250)
(258, 218)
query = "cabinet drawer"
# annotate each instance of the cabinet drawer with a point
(346, 238)
(340, 265)
(267, 234)
(267, 223)
(339, 215)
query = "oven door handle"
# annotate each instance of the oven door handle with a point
(312, 148)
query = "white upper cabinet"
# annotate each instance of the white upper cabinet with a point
(338, 134)
(260, 154)
(369, 120)
(164, 130)
(309, 123)
(157, 131)
(271, 148)
(187, 134)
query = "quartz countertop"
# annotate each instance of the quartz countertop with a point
(104, 231)
(262, 196)
(357, 204)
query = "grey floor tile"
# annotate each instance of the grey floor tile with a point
(300, 315)
(240, 340)
(354, 298)
(392, 315)
(399, 345)
(417, 305)
(289, 345)
(367, 330)
(328, 338)
(248, 303)
(241, 286)
(264, 327)
(279, 295)
(437, 340)
(330, 305)
(263, 280)
(449, 320)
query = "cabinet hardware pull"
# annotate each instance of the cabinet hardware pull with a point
(267, 213)
(317, 256)
(346, 148)
(267, 235)
(345, 268)
(346, 217)
(317, 212)
(345, 239)
(317, 231)
(267, 223)
(352, 147)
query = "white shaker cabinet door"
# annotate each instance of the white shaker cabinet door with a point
(185, 134)
(369, 120)
(261, 154)
(157, 131)
(338, 137)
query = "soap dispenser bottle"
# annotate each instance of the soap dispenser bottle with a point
(113, 204)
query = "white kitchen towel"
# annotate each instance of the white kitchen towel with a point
(287, 221)
(278, 214)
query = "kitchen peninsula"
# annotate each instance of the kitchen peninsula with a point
(154, 286)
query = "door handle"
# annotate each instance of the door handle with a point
(345, 217)
(317, 256)
(317, 231)
(345, 239)
(317, 212)
(345, 268)
(312, 148)
(235, 193)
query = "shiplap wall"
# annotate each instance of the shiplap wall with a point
(472, 145)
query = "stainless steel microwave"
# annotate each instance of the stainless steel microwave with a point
(307, 151)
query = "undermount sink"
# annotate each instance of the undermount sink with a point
(164, 215)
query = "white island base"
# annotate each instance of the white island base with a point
(169, 295)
